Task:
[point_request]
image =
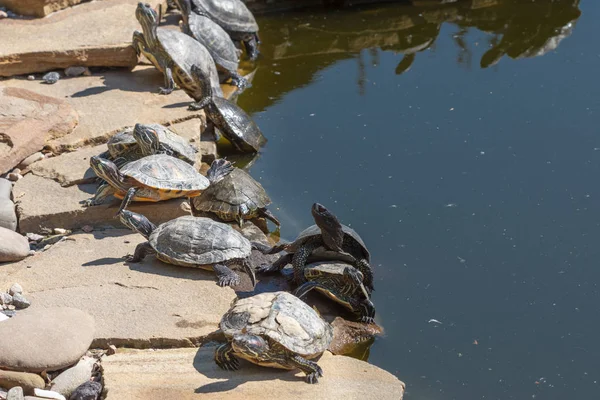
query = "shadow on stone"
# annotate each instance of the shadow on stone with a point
(103, 261)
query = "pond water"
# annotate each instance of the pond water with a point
(462, 142)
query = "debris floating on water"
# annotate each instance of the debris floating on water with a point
(434, 321)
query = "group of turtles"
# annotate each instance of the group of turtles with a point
(153, 163)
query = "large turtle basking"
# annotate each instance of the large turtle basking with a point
(173, 53)
(192, 242)
(236, 197)
(215, 39)
(235, 18)
(274, 330)
(235, 124)
(327, 240)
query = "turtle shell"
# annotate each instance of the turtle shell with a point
(184, 51)
(121, 143)
(216, 40)
(321, 252)
(238, 194)
(237, 125)
(232, 15)
(281, 317)
(163, 172)
(194, 241)
(177, 144)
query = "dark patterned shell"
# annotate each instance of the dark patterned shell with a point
(238, 127)
(322, 253)
(232, 15)
(121, 143)
(283, 318)
(216, 40)
(185, 51)
(236, 194)
(164, 172)
(193, 241)
(177, 144)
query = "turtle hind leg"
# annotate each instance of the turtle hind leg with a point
(365, 310)
(263, 212)
(225, 359)
(310, 368)
(141, 251)
(226, 276)
(239, 81)
(102, 193)
(278, 265)
(251, 45)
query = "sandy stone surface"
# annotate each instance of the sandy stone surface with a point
(192, 374)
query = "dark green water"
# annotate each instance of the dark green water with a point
(469, 161)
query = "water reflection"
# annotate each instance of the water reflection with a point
(318, 39)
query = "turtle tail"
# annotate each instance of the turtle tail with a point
(218, 170)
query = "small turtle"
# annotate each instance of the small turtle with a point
(340, 282)
(215, 39)
(236, 197)
(274, 330)
(235, 124)
(154, 178)
(173, 53)
(235, 18)
(192, 242)
(327, 240)
(51, 78)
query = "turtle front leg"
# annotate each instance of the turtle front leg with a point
(141, 251)
(310, 368)
(239, 81)
(225, 359)
(102, 193)
(300, 257)
(278, 265)
(127, 199)
(226, 276)
(365, 309)
(265, 213)
(251, 45)
(169, 82)
(199, 105)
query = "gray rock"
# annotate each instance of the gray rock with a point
(31, 77)
(8, 216)
(5, 298)
(72, 378)
(9, 313)
(75, 71)
(51, 77)
(15, 288)
(20, 302)
(13, 247)
(88, 391)
(34, 237)
(49, 339)
(5, 189)
(15, 393)
(14, 176)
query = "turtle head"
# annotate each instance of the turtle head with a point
(331, 229)
(106, 170)
(147, 138)
(137, 222)
(251, 346)
(353, 275)
(146, 16)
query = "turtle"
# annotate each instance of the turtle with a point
(235, 18)
(274, 329)
(153, 178)
(190, 241)
(340, 282)
(215, 39)
(173, 53)
(233, 122)
(236, 197)
(327, 240)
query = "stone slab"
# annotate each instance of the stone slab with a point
(147, 304)
(43, 204)
(93, 34)
(27, 121)
(37, 8)
(26, 380)
(192, 374)
(69, 168)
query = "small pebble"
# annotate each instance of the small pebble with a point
(60, 231)
(87, 228)
(14, 177)
(51, 77)
(112, 349)
(31, 77)
(31, 159)
(34, 237)
(88, 391)
(15, 288)
(16, 171)
(8, 313)
(15, 393)
(5, 299)
(20, 302)
(48, 394)
(3, 15)
(10, 307)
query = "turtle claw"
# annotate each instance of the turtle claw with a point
(229, 280)
(367, 320)
(232, 364)
(165, 90)
(313, 377)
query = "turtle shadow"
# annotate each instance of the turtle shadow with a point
(228, 380)
(139, 80)
(151, 265)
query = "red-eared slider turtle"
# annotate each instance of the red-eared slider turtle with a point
(235, 124)
(215, 39)
(173, 53)
(274, 330)
(327, 240)
(236, 197)
(235, 18)
(340, 282)
(153, 178)
(192, 242)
